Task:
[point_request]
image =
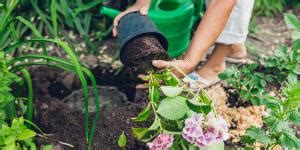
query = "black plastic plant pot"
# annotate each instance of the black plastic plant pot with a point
(140, 41)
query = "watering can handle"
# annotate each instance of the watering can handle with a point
(110, 12)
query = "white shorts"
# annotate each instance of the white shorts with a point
(236, 29)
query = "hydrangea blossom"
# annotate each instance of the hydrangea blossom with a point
(202, 132)
(161, 142)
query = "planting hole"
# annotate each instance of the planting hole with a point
(168, 6)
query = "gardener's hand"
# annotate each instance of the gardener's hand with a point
(141, 5)
(185, 66)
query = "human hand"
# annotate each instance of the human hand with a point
(180, 67)
(142, 6)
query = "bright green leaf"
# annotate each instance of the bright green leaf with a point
(295, 117)
(173, 108)
(171, 91)
(199, 107)
(292, 21)
(259, 135)
(290, 141)
(122, 140)
(155, 124)
(26, 134)
(139, 132)
(143, 116)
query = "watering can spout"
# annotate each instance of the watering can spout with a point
(110, 12)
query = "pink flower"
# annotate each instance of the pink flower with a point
(202, 132)
(161, 142)
(219, 126)
(193, 128)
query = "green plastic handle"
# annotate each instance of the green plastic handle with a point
(110, 12)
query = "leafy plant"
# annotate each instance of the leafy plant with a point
(12, 64)
(283, 112)
(250, 81)
(278, 73)
(293, 23)
(268, 7)
(247, 82)
(17, 136)
(173, 105)
(73, 15)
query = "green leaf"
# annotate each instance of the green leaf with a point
(144, 115)
(156, 94)
(54, 17)
(122, 140)
(292, 21)
(139, 132)
(248, 140)
(171, 91)
(271, 122)
(199, 107)
(47, 147)
(295, 117)
(259, 135)
(26, 134)
(295, 35)
(155, 124)
(292, 78)
(290, 141)
(173, 108)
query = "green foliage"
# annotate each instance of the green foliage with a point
(249, 81)
(53, 17)
(293, 23)
(268, 7)
(12, 64)
(259, 135)
(173, 108)
(280, 73)
(171, 102)
(122, 140)
(283, 113)
(17, 136)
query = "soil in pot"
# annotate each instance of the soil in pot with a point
(140, 51)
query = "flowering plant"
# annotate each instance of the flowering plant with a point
(183, 118)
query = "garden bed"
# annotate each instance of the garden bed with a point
(57, 119)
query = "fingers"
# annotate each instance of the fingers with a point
(143, 77)
(144, 10)
(141, 86)
(116, 22)
(161, 63)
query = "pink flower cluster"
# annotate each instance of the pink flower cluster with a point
(161, 142)
(202, 131)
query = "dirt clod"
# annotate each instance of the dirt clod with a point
(140, 51)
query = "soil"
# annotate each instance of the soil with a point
(140, 51)
(234, 99)
(66, 125)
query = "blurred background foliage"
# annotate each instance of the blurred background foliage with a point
(83, 18)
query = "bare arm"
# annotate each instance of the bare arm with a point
(210, 28)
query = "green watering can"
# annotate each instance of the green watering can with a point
(174, 18)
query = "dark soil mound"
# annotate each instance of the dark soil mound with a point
(141, 50)
(56, 118)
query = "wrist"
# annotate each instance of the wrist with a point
(189, 62)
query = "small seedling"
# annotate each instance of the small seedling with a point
(122, 141)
